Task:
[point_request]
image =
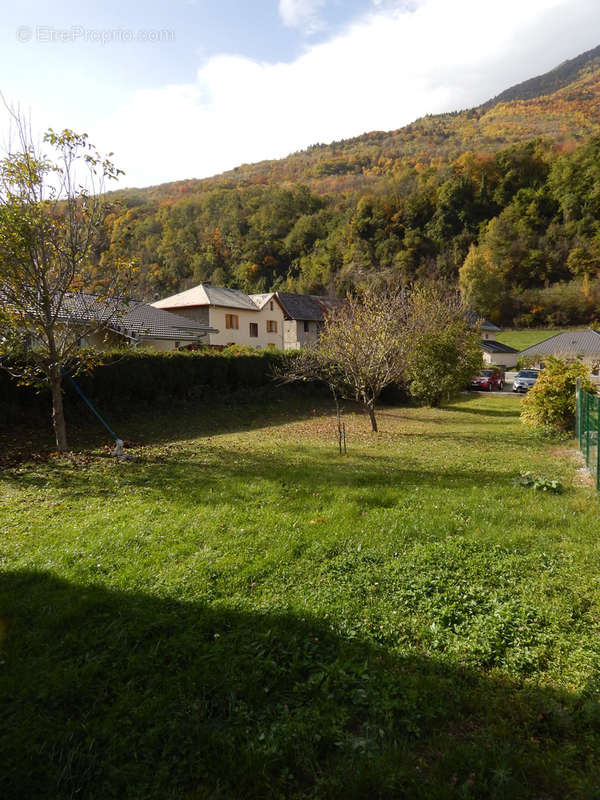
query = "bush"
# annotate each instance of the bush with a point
(551, 404)
(444, 362)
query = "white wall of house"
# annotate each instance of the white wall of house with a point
(226, 320)
(500, 359)
(219, 317)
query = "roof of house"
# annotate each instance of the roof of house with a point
(132, 318)
(261, 300)
(300, 306)
(205, 294)
(160, 324)
(472, 318)
(328, 304)
(582, 343)
(491, 346)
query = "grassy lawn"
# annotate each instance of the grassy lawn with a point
(242, 612)
(520, 339)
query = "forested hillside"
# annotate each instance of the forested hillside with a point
(507, 195)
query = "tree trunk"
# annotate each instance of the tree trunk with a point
(58, 414)
(371, 412)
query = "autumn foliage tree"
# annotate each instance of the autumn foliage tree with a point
(51, 209)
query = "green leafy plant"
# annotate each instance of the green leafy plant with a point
(530, 481)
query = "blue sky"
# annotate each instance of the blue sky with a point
(189, 88)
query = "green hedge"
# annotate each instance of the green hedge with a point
(126, 381)
(146, 379)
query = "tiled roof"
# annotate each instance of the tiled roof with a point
(131, 318)
(491, 346)
(573, 343)
(328, 304)
(300, 306)
(205, 294)
(160, 324)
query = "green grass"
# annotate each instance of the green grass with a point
(520, 339)
(242, 612)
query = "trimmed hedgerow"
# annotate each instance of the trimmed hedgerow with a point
(149, 379)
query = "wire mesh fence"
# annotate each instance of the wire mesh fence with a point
(588, 430)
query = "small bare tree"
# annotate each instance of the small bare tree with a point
(51, 210)
(361, 349)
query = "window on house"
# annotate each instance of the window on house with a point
(271, 344)
(305, 326)
(271, 305)
(254, 329)
(271, 326)
(232, 321)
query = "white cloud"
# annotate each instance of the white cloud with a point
(301, 14)
(382, 72)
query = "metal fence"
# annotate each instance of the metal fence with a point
(588, 430)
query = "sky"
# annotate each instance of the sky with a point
(183, 89)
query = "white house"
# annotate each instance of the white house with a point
(253, 321)
(494, 353)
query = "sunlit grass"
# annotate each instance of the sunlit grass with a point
(240, 611)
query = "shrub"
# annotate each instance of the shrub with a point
(444, 362)
(551, 404)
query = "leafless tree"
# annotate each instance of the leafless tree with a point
(362, 348)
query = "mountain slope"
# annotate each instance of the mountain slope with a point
(562, 105)
(509, 188)
(548, 83)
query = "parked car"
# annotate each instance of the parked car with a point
(488, 380)
(525, 379)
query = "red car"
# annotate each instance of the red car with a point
(488, 380)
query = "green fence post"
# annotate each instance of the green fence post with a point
(597, 401)
(578, 410)
(586, 419)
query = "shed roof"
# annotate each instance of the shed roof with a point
(573, 343)
(491, 346)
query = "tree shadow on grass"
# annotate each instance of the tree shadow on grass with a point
(179, 423)
(513, 413)
(113, 694)
(223, 468)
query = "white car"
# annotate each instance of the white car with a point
(525, 379)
